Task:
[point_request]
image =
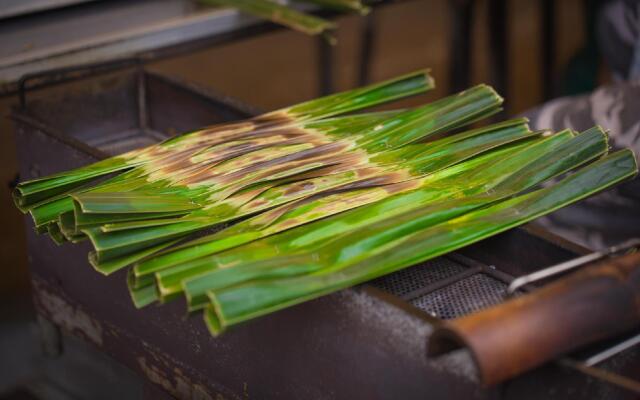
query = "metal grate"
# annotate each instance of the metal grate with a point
(462, 297)
(407, 280)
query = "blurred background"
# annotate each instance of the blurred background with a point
(531, 50)
(280, 68)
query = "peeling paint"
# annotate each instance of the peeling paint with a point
(177, 384)
(68, 317)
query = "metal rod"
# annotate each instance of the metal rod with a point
(612, 351)
(441, 283)
(493, 272)
(609, 377)
(143, 116)
(499, 45)
(325, 66)
(460, 56)
(569, 265)
(587, 366)
(548, 48)
(366, 50)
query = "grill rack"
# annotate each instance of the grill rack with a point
(447, 287)
(453, 286)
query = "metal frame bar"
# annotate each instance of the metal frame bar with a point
(67, 74)
(499, 45)
(441, 284)
(368, 35)
(325, 67)
(460, 57)
(548, 272)
(612, 351)
(548, 47)
(598, 373)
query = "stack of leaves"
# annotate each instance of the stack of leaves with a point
(250, 217)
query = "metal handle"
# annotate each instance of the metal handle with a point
(519, 282)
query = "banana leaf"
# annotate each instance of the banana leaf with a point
(468, 144)
(391, 245)
(248, 217)
(475, 187)
(217, 194)
(30, 194)
(47, 198)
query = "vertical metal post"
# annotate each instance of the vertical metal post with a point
(366, 50)
(548, 47)
(325, 66)
(499, 45)
(141, 86)
(460, 57)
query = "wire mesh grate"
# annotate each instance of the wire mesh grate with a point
(407, 280)
(462, 297)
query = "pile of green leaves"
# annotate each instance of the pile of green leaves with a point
(249, 217)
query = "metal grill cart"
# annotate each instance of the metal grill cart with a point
(367, 342)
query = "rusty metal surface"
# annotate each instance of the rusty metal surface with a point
(599, 302)
(360, 343)
(164, 29)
